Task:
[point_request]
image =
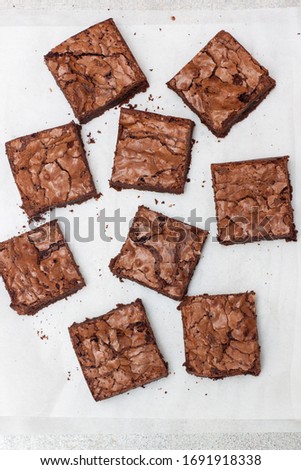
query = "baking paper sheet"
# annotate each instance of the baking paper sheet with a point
(40, 376)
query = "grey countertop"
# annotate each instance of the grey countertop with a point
(210, 440)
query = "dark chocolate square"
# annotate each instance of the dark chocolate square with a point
(160, 253)
(220, 335)
(253, 200)
(117, 351)
(51, 169)
(96, 70)
(222, 84)
(153, 152)
(38, 269)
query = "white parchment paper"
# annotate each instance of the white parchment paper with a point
(40, 376)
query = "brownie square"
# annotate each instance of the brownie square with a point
(160, 253)
(38, 269)
(220, 335)
(153, 152)
(117, 351)
(253, 200)
(222, 84)
(96, 70)
(51, 169)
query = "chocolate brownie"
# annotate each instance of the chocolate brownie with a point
(220, 335)
(160, 253)
(51, 169)
(96, 70)
(222, 84)
(153, 152)
(117, 351)
(38, 269)
(253, 200)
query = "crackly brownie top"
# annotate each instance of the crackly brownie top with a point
(37, 266)
(50, 168)
(117, 351)
(221, 80)
(152, 150)
(253, 200)
(94, 67)
(160, 252)
(220, 335)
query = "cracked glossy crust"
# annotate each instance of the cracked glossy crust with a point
(253, 200)
(51, 169)
(222, 84)
(153, 152)
(96, 70)
(160, 253)
(117, 351)
(38, 269)
(220, 335)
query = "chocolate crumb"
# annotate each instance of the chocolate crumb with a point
(91, 139)
(131, 106)
(42, 335)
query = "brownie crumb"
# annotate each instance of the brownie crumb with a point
(42, 335)
(91, 139)
(173, 18)
(131, 106)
